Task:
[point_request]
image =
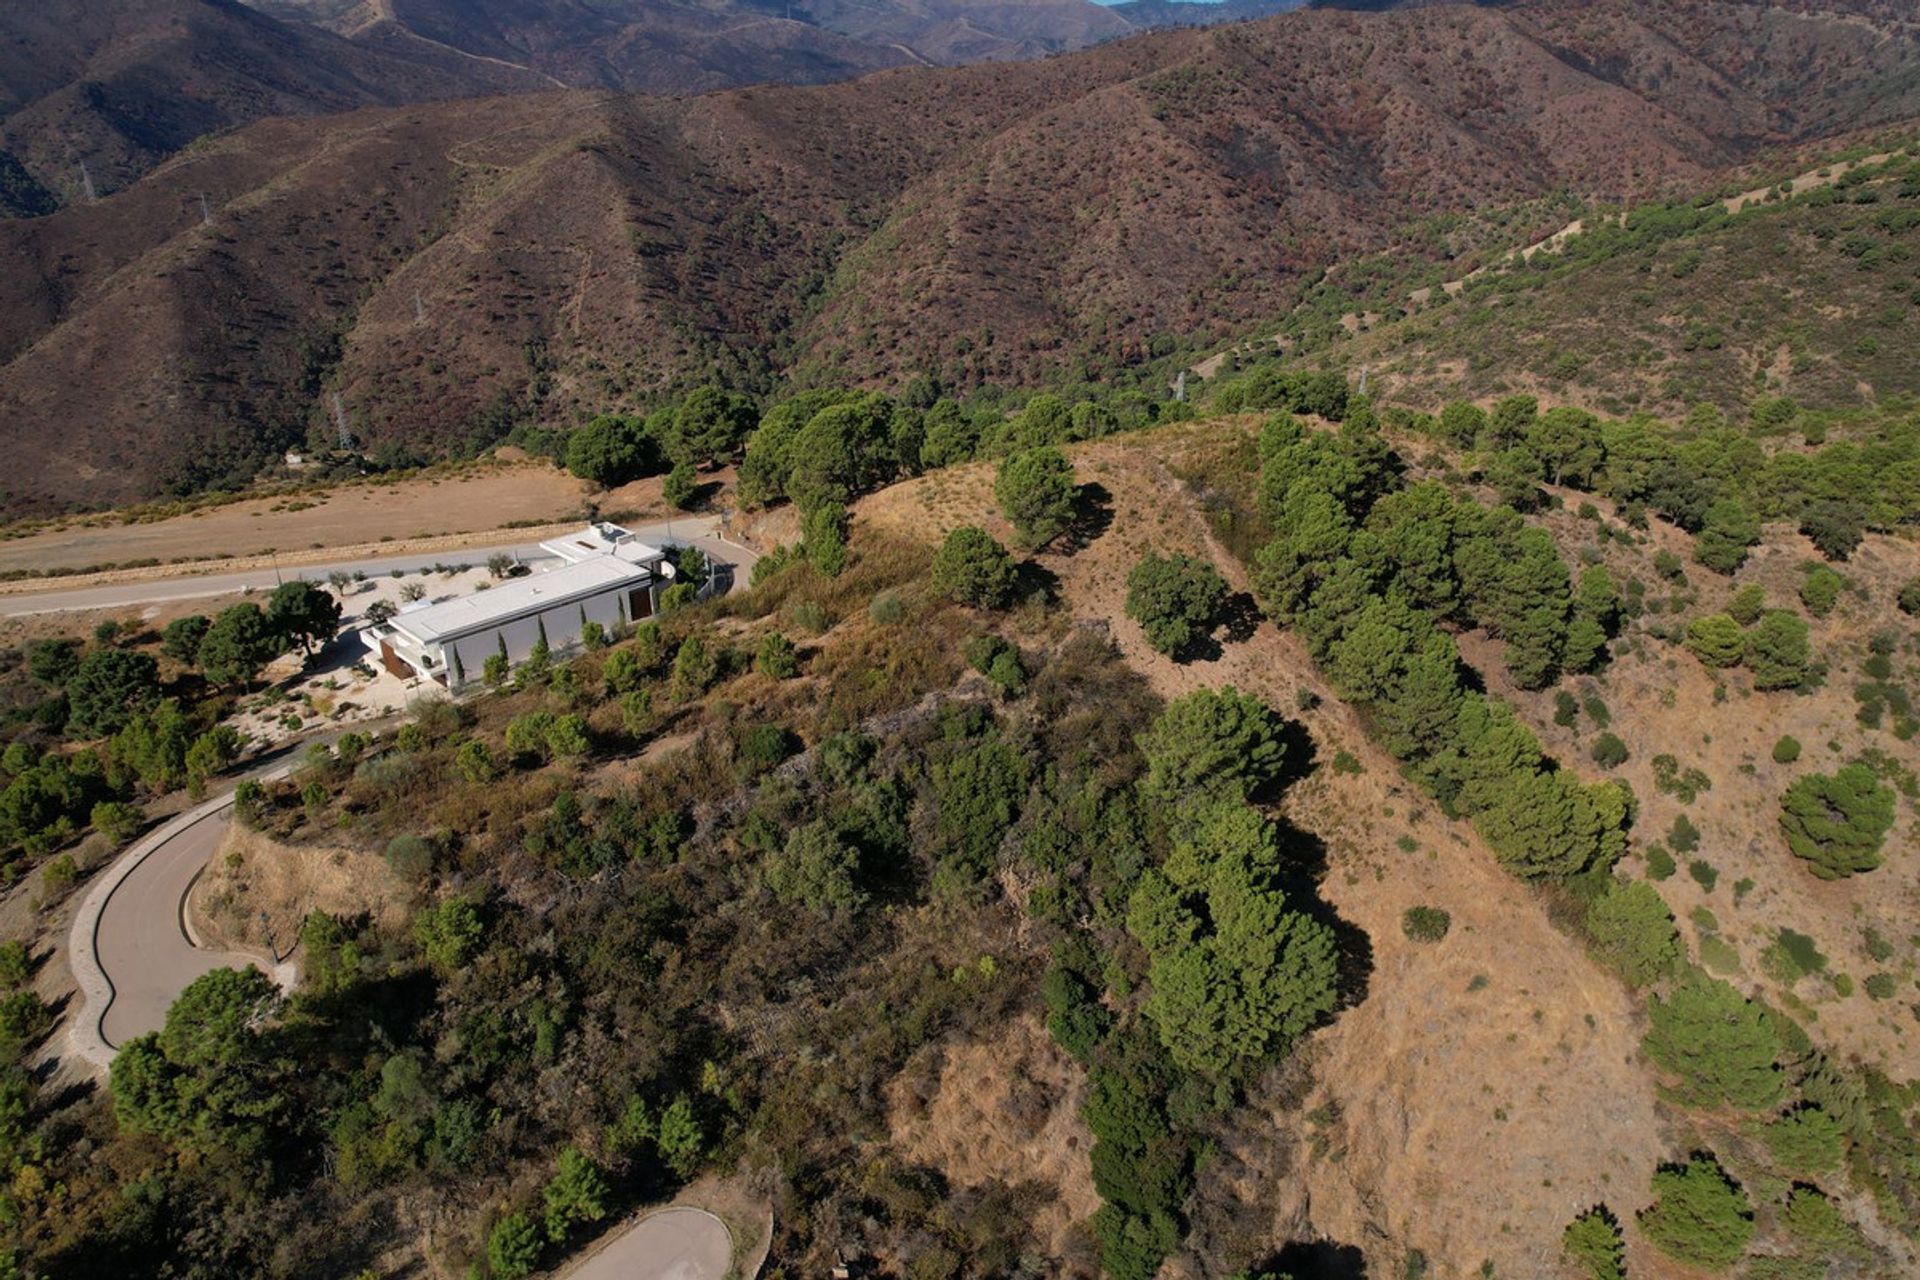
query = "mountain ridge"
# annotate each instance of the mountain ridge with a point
(451, 270)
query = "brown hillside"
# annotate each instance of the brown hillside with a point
(124, 85)
(572, 252)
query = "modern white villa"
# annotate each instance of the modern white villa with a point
(606, 575)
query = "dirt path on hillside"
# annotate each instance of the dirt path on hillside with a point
(1486, 1090)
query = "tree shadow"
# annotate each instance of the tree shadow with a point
(1299, 758)
(1241, 617)
(1238, 620)
(1037, 582)
(70, 1095)
(1302, 872)
(1092, 516)
(1317, 1260)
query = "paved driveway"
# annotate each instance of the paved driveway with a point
(673, 1244)
(141, 945)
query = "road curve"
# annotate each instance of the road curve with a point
(128, 947)
(675, 1243)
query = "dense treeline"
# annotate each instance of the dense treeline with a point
(1367, 572)
(1714, 479)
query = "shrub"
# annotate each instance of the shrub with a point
(777, 657)
(409, 857)
(1175, 599)
(1716, 640)
(1213, 742)
(1036, 493)
(1425, 924)
(1791, 956)
(1806, 1141)
(1881, 986)
(1007, 672)
(1593, 1243)
(1075, 1016)
(1701, 1216)
(1660, 863)
(886, 609)
(1634, 932)
(1748, 603)
(1721, 1045)
(1704, 873)
(1787, 750)
(59, 875)
(762, 747)
(817, 870)
(1683, 835)
(1608, 751)
(1777, 651)
(972, 568)
(1909, 598)
(1837, 822)
(1820, 591)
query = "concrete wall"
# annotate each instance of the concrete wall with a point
(563, 631)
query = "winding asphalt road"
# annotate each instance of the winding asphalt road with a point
(141, 940)
(677, 1243)
(128, 948)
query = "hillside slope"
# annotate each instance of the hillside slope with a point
(679, 46)
(1657, 309)
(122, 86)
(451, 270)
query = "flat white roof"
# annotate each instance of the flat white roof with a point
(516, 597)
(601, 539)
